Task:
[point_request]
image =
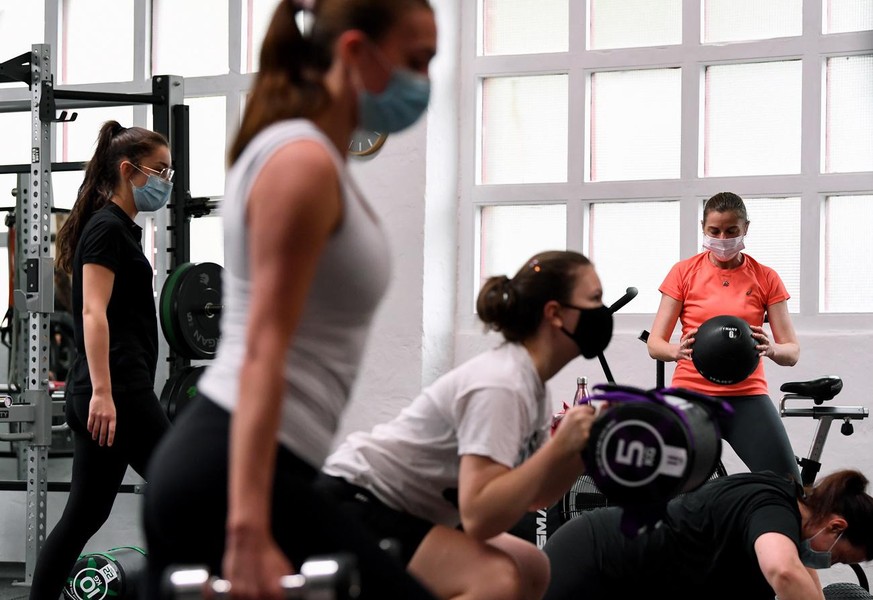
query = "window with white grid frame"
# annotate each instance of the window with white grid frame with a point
(662, 104)
(217, 59)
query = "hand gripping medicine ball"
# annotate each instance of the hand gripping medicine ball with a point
(724, 350)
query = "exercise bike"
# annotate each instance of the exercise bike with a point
(806, 399)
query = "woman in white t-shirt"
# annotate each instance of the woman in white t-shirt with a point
(470, 455)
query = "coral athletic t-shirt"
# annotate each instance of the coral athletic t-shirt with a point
(705, 291)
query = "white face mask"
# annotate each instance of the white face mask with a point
(724, 249)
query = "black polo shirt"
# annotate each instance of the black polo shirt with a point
(704, 547)
(113, 240)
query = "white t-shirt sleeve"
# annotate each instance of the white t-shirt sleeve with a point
(493, 422)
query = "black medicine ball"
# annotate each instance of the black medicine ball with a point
(724, 350)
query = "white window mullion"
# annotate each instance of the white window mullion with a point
(235, 33)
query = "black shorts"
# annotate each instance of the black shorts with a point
(403, 530)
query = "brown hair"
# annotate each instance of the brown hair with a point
(290, 79)
(844, 493)
(114, 145)
(726, 202)
(515, 306)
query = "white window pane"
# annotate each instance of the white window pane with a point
(849, 132)
(4, 249)
(510, 235)
(65, 188)
(207, 240)
(207, 119)
(524, 129)
(634, 23)
(22, 24)
(190, 37)
(847, 15)
(15, 149)
(752, 119)
(524, 26)
(77, 140)
(8, 181)
(626, 253)
(774, 240)
(847, 274)
(735, 20)
(260, 14)
(146, 220)
(94, 52)
(635, 124)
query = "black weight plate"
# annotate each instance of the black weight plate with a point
(184, 390)
(169, 323)
(198, 310)
(168, 392)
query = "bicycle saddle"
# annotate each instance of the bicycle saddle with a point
(821, 389)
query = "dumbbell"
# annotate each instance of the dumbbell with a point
(331, 577)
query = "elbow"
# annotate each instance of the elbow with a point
(791, 357)
(477, 527)
(782, 580)
(474, 530)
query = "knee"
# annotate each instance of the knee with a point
(538, 572)
(500, 578)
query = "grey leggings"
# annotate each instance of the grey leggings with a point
(756, 433)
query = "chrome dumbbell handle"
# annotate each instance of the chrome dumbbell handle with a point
(327, 578)
(191, 584)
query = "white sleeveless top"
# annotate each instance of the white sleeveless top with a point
(322, 361)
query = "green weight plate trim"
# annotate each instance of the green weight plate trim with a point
(179, 389)
(187, 389)
(169, 293)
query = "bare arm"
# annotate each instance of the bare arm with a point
(781, 566)
(97, 282)
(493, 497)
(293, 208)
(784, 349)
(659, 345)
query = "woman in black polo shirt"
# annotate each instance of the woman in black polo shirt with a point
(748, 536)
(111, 405)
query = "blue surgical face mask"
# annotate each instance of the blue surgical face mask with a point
(817, 559)
(153, 195)
(399, 105)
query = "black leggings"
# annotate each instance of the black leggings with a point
(757, 435)
(185, 510)
(96, 477)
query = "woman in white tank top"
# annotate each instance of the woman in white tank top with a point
(231, 487)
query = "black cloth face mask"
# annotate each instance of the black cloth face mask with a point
(593, 330)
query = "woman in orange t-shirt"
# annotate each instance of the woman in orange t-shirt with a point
(722, 280)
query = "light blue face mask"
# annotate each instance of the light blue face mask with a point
(153, 195)
(398, 106)
(817, 559)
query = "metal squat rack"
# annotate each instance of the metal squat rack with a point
(29, 404)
